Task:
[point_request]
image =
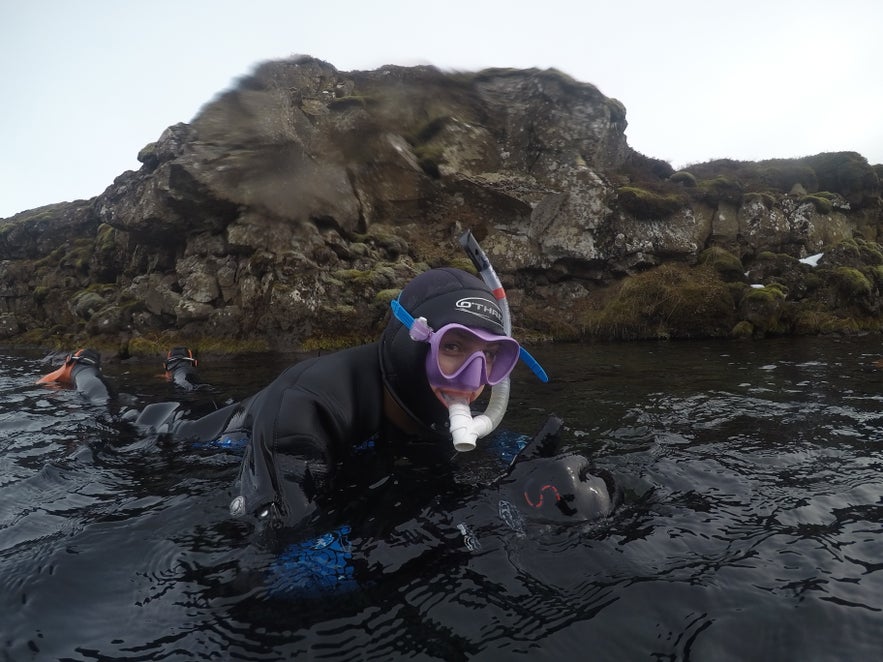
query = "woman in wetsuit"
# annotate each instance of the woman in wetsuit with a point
(309, 422)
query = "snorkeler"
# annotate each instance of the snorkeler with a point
(407, 397)
(180, 368)
(82, 370)
(397, 393)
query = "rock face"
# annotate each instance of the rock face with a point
(296, 204)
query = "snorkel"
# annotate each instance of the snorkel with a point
(466, 429)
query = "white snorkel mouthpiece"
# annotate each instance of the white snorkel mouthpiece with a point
(465, 429)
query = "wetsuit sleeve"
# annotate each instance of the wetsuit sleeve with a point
(305, 424)
(289, 457)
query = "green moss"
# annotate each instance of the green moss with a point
(429, 158)
(385, 296)
(763, 308)
(672, 301)
(35, 337)
(648, 204)
(876, 274)
(720, 189)
(782, 174)
(684, 178)
(774, 289)
(871, 251)
(846, 173)
(148, 153)
(822, 204)
(725, 263)
(462, 263)
(356, 276)
(737, 290)
(767, 294)
(827, 195)
(813, 281)
(811, 321)
(329, 342)
(159, 343)
(105, 237)
(743, 329)
(852, 282)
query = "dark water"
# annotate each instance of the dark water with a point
(752, 525)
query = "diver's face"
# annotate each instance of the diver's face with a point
(463, 360)
(456, 347)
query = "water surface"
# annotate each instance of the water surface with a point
(750, 528)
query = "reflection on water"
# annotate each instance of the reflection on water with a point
(750, 529)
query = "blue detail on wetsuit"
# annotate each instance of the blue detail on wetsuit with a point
(506, 444)
(366, 446)
(318, 566)
(234, 442)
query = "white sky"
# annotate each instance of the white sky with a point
(87, 83)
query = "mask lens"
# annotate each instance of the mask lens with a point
(458, 349)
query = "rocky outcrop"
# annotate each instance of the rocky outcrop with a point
(292, 208)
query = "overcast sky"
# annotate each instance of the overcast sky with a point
(88, 83)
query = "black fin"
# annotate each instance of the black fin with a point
(158, 416)
(545, 443)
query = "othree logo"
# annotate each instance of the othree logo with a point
(479, 307)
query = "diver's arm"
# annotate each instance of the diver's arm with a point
(289, 456)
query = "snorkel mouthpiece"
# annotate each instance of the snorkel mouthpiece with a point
(465, 429)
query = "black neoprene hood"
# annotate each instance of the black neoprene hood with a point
(442, 296)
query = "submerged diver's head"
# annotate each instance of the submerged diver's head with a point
(178, 357)
(461, 347)
(561, 490)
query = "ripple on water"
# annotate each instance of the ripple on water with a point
(750, 529)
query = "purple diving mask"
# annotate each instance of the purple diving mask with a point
(462, 358)
(465, 359)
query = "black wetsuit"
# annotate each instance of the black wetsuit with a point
(89, 381)
(307, 430)
(303, 427)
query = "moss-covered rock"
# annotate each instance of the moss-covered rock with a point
(848, 174)
(683, 178)
(822, 204)
(852, 283)
(649, 204)
(672, 301)
(854, 252)
(724, 262)
(720, 189)
(763, 308)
